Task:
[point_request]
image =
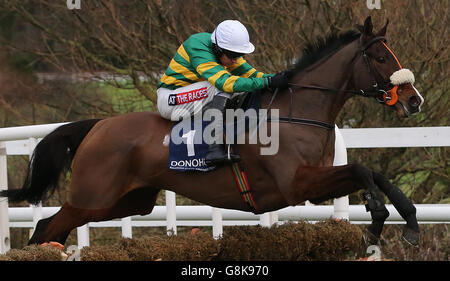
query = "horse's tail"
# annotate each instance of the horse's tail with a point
(52, 156)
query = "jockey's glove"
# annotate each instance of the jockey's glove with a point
(279, 80)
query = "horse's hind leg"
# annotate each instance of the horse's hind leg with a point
(58, 227)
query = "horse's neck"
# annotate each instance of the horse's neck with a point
(333, 73)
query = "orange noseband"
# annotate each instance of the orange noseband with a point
(391, 98)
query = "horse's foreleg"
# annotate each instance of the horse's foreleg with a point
(378, 212)
(318, 184)
(403, 205)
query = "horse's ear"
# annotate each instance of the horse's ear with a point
(382, 32)
(368, 26)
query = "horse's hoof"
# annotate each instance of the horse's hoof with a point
(411, 236)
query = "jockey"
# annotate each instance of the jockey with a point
(207, 69)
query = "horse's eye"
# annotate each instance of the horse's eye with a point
(381, 59)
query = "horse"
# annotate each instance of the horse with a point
(119, 164)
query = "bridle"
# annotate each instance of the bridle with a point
(380, 94)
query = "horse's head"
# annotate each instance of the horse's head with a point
(380, 68)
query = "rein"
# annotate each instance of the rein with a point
(381, 95)
(292, 120)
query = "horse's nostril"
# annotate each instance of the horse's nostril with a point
(414, 101)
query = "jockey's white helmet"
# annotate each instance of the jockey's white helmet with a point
(232, 35)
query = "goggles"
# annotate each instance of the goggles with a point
(232, 55)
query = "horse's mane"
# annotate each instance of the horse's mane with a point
(323, 47)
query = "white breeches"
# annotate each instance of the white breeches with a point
(185, 101)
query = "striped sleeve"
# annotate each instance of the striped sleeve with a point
(243, 69)
(225, 81)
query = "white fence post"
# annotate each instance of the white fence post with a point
(273, 218)
(83, 236)
(5, 242)
(264, 220)
(126, 228)
(217, 223)
(268, 219)
(171, 213)
(341, 205)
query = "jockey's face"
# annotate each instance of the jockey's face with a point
(226, 61)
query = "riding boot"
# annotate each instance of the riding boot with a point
(218, 153)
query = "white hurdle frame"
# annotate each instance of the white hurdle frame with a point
(10, 144)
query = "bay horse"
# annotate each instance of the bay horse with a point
(119, 164)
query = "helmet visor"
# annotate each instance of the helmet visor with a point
(231, 54)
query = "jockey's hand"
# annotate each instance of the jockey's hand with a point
(279, 80)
